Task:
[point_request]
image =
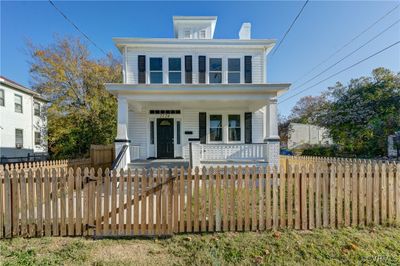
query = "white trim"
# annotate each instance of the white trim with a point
(225, 126)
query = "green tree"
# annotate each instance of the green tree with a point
(81, 111)
(361, 115)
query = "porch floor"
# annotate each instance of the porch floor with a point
(159, 163)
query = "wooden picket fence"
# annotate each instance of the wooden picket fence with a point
(159, 202)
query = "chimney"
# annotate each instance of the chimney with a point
(245, 31)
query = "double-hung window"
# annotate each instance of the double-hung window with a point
(175, 70)
(215, 127)
(233, 70)
(234, 127)
(156, 70)
(215, 70)
(38, 138)
(202, 34)
(19, 138)
(36, 109)
(2, 98)
(18, 103)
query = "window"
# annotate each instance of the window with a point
(156, 73)
(38, 139)
(178, 132)
(151, 132)
(175, 73)
(19, 138)
(215, 70)
(202, 34)
(202, 69)
(233, 70)
(36, 108)
(18, 103)
(234, 127)
(215, 127)
(2, 98)
(187, 34)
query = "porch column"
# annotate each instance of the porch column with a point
(272, 135)
(122, 133)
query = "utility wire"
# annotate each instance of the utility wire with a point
(76, 27)
(286, 33)
(349, 54)
(348, 43)
(347, 68)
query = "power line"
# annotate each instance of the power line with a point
(76, 27)
(349, 54)
(337, 73)
(348, 43)
(286, 33)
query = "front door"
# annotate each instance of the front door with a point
(165, 138)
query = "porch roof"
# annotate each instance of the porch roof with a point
(204, 91)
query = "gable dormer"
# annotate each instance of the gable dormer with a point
(197, 27)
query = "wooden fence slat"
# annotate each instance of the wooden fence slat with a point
(339, 195)
(232, 208)
(254, 192)
(303, 185)
(397, 193)
(211, 200)
(239, 199)
(297, 198)
(23, 207)
(99, 203)
(164, 203)
(181, 200)
(311, 197)
(78, 186)
(366, 189)
(218, 198)
(325, 197)
(332, 194)
(383, 194)
(318, 208)
(158, 204)
(121, 200)
(70, 201)
(169, 196)
(85, 193)
(176, 201)
(354, 195)
(347, 187)
(7, 205)
(114, 182)
(275, 198)
(39, 200)
(136, 204)
(246, 200)
(189, 225)
(129, 224)
(203, 199)
(151, 204)
(376, 190)
(91, 202)
(261, 187)
(15, 202)
(225, 202)
(391, 201)
(31, 203)
(282, 198)
(196, 201)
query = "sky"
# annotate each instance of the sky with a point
(322, 28)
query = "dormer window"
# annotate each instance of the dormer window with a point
(202, 34)
(187, 34)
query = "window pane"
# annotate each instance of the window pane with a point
(215, 120)
(233, 77)
(234, 120)
(174, 64)
(215, 77)
(36, 108)
(234, 134)
(215, 134)
(156, 77)
(233, 64)
(156, 64)
(37, 138)
(215, 64)
(174, 77)
(19, 137)
(18, 103)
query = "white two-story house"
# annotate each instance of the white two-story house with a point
(23, 123)
(197, 98)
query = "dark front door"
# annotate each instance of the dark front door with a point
(165, 138)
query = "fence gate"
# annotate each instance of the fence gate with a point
(129, 203)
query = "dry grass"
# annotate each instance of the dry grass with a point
(379, 246)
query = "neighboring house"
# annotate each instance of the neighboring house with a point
(23, 124)
(197, 98)
(301, 134)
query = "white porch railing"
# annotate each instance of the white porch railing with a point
(233, 152)
(134, 151)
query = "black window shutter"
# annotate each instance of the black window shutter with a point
(188, 69)
(142, 69)
(247, 69)
(202, 127)
(247, 128)
(202, 69)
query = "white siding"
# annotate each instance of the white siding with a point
(258, 61)
(137, 131)
(257, 126)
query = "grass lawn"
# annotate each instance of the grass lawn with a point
(378, 246)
